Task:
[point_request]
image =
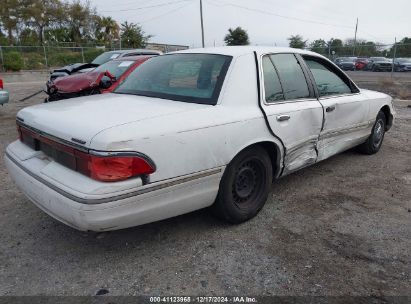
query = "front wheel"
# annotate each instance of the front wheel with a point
(245, 186)
(374, 141)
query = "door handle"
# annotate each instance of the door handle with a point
(283, 117)
(330, 109)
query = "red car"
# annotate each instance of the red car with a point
(103, 79)
(361, 63)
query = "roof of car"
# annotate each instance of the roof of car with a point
(133, 58)
(147, 51)
(236, 51)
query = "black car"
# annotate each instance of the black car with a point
(378, 64)
(99, 60)
(402, 64)
(346, 63)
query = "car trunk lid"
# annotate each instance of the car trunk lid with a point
(78, 120)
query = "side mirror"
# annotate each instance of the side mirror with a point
(105, 82)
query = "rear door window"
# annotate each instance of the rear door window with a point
(291, 76)
(272, 86)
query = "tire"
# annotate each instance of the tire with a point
(374, 141)
(374, 68)
(245, 186)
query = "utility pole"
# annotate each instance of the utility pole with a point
(355, 38)
(202, 24)
(393, 57)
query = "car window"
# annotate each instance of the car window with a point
(193, 78)
(116, 68)
(272, 85)
(328, 82)
(291, 75)
(105, 57)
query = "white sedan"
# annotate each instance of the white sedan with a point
(197, 128)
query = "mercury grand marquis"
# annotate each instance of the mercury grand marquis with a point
(188, 130)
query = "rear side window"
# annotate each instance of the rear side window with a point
(327, 81)
(272, 85)
(291, 76)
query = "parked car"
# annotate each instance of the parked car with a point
(346, 63)
(379, 64)
(361, 63)
(102, 79)
(192, 129)
(402, 64)
(99, 60)
(4, 95)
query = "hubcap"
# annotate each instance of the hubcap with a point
(248, 182)
(378, 133)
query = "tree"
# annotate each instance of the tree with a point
(80, 19)
(296, 41)
(237, 36)
(107, 29)
(403, 48)
(319, 46)
(10, 16)
(41, 14)
(133, 36)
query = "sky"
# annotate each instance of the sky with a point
(268, 22)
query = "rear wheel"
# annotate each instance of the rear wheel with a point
(374, 141)
(245, 186)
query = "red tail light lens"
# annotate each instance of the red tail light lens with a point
(112, 167)
(1, 84)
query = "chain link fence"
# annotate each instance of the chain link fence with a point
(399, 50)
(16, 58)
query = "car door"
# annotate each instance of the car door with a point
(345, 108)
(293, 112)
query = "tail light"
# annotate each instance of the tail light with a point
(101, 166)
(1, 84)
(116, 168)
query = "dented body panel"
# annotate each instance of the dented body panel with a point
(191, 144)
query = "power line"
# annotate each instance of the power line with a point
(281, 16)
(145, 7)
(165, 14)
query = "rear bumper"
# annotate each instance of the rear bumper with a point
(158, 201)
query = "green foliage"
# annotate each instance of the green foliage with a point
(91, 54)
(13, 61)
(403, 48)
(56, 58)
(237, 36)
(297, 41)
(133, 36)
(319, 46)
(33, 61)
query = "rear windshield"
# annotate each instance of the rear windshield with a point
(103, 58)
(116, 68)
(195, 78)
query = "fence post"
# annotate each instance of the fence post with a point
(393, 57)
(2, 59)
(45, 57)
(82, 55)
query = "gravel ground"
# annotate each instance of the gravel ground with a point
(340, 227)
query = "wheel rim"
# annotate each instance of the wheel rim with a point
(248, 182)
(378, 133)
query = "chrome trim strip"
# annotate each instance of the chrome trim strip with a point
(89, 151)
(146, 189)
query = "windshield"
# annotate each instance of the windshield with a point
(103, 58)
(346, 59)
(116, 68)
(404, 60)
(195, 78)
